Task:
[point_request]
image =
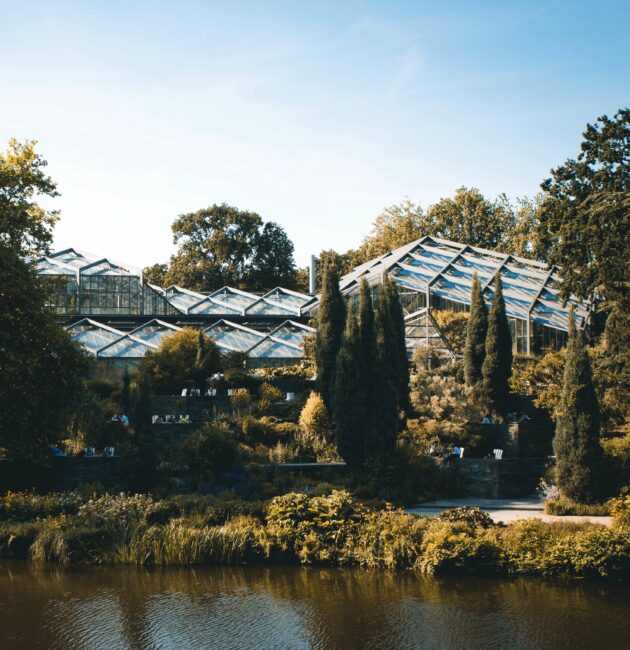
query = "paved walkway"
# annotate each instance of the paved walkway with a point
(502, 510)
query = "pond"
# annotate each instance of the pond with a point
(291, 607)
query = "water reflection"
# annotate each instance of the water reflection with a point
(279, 607)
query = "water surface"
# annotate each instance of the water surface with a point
(290, 607)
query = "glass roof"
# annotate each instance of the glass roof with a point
(446, 268)
(127, 347)
(92, 335)
(154, 331)
(231, 337)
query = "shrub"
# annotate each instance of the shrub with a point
(388, 539)
(469, 515)
(25, 506)
(241, 400)
(620, 510)
(562, 506)
(117, 509)
(209, 451)
(313, 530)
(455, 546)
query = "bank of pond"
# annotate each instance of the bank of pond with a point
(333, 530)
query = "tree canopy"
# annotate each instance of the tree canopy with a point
(585, 214)
(42, 371)
(24, 225)
(468, 217)
(222, 245)
(179, 361)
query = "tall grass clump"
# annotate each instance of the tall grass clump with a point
(179, 543)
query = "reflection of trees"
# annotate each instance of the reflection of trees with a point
(306, 607)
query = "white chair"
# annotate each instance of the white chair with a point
(154, 418)
(108, 452)
(290, 397)
(461, 452)
(230, 391)
(184, 392)
(498, 454)
(90, 452)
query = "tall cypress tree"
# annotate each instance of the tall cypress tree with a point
(331, 318)
(400, 360)
(350, 395)
(497, 365)
(366, 328)
(125, 395)
(199, 371)
(576, 445)
(383, 426)
(476, 331)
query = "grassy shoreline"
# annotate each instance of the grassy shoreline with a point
(334, 530)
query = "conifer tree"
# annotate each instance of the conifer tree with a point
(331, 318)
(383, 425)
(576, 445)
(400, 359)
(497, 365)
(350, 395)
(125, 394)
(476, 330)
(199, 371)
(366, 329)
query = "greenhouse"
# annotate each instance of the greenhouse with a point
(277, 346)
(435, 274)
(80, 284)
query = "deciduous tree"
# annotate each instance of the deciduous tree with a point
(585, 213)
(24, 225)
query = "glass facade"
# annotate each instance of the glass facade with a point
(444, 271)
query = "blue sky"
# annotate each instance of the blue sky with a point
(314, 114)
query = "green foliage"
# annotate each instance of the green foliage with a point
(494, 390)
(314, 530)
(576, 444)
(331, 318)
(620, 510)
(476, 332)
(222, 245)
(350, 396)
(385, 399)
(585, 213)
(332, 529)
(472, 516)
(42, 372)
(125, 395)
(453, 325)
(299, 371)
(174, 364)
(208, 451)
(25, 227)
(456, 547)
(468, 217)
(443, 404)
(563, 506)
(25, 506)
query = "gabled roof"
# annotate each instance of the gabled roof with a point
(445, 269)
(92, 335)
(154, 332)
(232, 337)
